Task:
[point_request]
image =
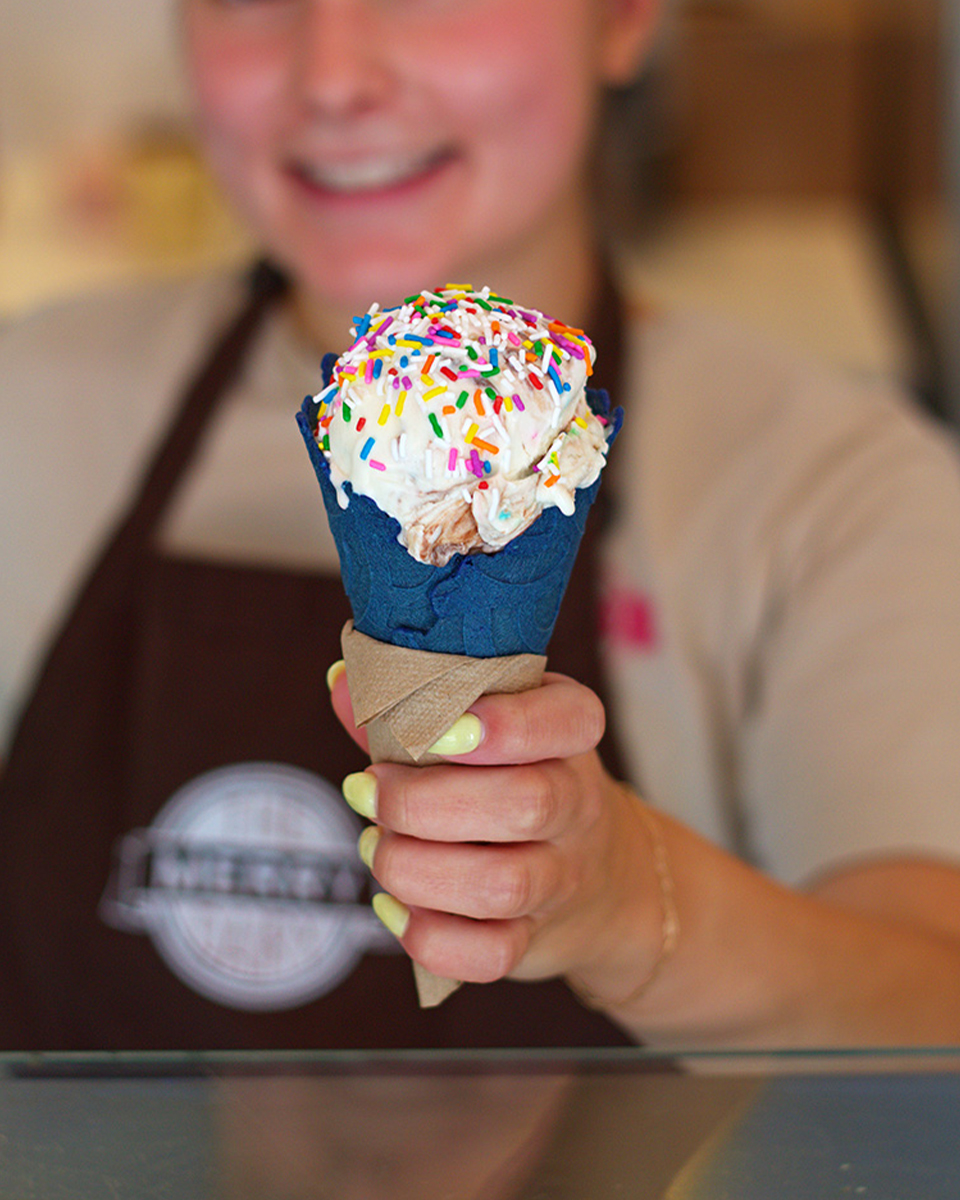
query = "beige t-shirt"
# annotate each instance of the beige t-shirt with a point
(782, 588)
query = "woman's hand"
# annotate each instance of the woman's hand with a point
(524, 858)
(521, 857)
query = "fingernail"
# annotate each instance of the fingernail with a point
(392, 913)
(460, 738)
(360, 792)
(367, 844)
(334, 672)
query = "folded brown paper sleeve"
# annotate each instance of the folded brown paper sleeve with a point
(405, 699)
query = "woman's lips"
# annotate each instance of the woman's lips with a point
(376, 177)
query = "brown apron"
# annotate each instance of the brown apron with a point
(166, 669)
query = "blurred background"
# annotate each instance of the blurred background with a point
(793, 163)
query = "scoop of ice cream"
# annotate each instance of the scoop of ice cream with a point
(462, 415)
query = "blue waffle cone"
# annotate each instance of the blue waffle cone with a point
(481, 605)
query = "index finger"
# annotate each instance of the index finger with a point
(559, 719)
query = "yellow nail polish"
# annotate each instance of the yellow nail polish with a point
(334, 672)
(460, 738)
(392, 913)
(360, 792)
(367, 844)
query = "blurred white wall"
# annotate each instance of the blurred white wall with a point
(75, 70)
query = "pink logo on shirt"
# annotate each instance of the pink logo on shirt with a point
(627, 619)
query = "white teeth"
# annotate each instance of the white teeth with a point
(367, 174)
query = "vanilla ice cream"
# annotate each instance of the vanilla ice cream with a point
(463, 416)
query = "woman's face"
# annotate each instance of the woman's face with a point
(379, 146)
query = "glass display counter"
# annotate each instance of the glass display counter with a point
(607, 1125)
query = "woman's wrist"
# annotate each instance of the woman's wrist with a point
(659, 894)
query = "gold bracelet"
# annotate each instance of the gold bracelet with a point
(669, 917)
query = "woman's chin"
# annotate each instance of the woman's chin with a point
(366, 253)
(355, 281)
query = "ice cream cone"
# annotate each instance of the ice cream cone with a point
(428, 640)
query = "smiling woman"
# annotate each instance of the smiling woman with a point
(761, 635)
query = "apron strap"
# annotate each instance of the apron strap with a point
(107, 587)
(215, 378)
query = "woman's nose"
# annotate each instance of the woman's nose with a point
(342, 57)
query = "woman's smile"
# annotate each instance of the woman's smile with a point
(375, 176)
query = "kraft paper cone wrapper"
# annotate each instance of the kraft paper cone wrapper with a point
(426, 641)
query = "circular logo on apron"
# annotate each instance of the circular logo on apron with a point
(249, 883)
